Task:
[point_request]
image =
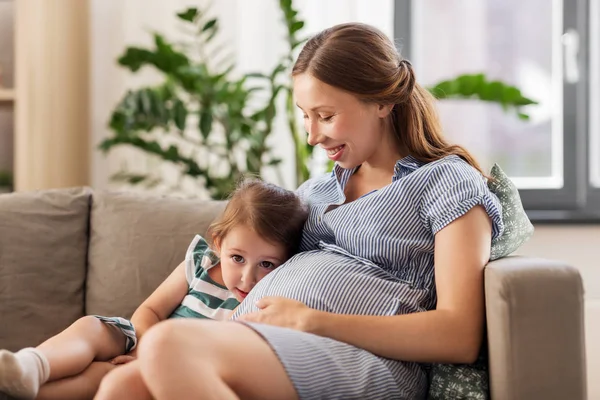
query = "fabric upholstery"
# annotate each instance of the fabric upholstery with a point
(43, 246)
(135, 243)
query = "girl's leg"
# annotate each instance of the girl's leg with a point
(79, 387)
(66, 354)
(190, 359)
(125, 378)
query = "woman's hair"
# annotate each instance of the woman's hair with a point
(276, 214)
(361, 60)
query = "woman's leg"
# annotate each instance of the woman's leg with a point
(66, 354)
(126, 378)
(79, 387)
(191, 359)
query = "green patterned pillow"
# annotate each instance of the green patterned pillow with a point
(517, 227)
(460, 381)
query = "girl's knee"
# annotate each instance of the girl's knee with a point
(88, 322)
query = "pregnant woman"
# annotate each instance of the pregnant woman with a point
(390, 276)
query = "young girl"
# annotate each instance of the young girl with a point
(260, 228)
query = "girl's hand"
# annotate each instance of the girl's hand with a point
(124, 359)
(283, 312)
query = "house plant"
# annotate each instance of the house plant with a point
(213, 125)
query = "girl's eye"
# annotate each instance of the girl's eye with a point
(327, 119)
(305, 116)
(267, 265)
(237, 259)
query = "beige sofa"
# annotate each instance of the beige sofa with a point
(71, 252)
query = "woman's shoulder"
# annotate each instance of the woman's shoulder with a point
(440, 175)
(452, 165)
(450, 187)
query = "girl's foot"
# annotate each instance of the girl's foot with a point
(22, 373)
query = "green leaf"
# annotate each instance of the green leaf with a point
(209, 25)
(285, 4)
(145, 103)
(206, 120)
(179, 114)
(189, 14)
(134, 58)
(172, 154)
(296, 26)
(476, 86)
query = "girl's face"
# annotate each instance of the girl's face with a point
(246, 258)
(352, 132)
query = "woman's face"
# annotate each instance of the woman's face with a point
(351, 132)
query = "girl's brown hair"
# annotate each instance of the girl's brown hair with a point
(360, 59)
(276, 214)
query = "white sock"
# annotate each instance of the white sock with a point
(22, 373)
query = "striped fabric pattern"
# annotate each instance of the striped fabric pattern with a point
(125, 326)
(372, 256)
(206, 299)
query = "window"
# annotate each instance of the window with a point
(540, 46)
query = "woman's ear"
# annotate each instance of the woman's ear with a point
(384, 110)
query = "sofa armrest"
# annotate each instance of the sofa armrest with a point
(535, 330)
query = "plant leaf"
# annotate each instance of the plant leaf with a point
(296, 26)
(210, 24)
(206, 120)
(189, 14)
(179, 114)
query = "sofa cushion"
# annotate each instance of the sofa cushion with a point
(135, 243)
(43, 247)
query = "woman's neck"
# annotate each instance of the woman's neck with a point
(380, 167)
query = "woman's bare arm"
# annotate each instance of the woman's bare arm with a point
(453, 332)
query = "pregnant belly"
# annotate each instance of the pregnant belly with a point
(329, 281)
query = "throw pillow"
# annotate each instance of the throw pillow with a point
(517, 227)
(460, 381)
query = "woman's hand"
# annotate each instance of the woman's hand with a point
(283, 312)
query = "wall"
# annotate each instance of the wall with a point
(578, 246)
(7, 81)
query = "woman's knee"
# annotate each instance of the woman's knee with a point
(114, 384)
(171, 337)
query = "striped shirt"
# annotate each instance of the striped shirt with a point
(205, 298)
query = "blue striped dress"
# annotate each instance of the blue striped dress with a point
(371, 256)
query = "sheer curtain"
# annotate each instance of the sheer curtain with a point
(253, 31)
